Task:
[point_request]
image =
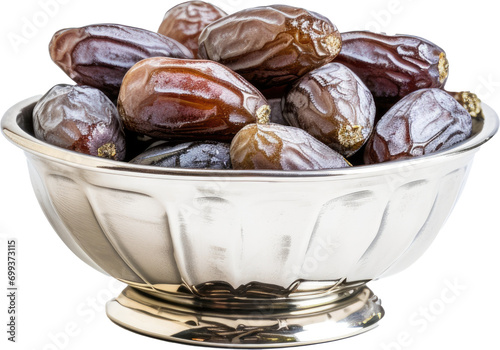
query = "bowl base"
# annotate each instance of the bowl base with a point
(264, 326)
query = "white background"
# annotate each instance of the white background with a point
(60, 294)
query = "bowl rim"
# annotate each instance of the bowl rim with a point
(11, 129)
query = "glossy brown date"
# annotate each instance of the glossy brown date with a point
(271, 45)
(80, 118)
(423, 122)
(332, 104)
(184, 22)
(278, 147)
(100, 55)
(169, 98)
(393, 66)
(197, 155)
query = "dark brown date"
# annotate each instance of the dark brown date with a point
(423, 122)
(271, 45)
(185, 22)
(82, 119)
(393, 66)
(169, 98)
(332, 104)
(100, 55)
(279, 147)
(198, 155)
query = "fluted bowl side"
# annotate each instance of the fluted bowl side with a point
(155, 228)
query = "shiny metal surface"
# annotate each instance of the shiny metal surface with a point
(193, 237)
(347, 314)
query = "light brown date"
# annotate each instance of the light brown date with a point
(271, 45)
(184, 22)
(268, 146)
(99, 55)
(169, 98)
(332, 104)
(423, 122)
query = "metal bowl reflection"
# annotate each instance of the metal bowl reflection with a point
(245, 258)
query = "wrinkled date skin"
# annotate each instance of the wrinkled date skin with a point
(271, 45)
(82, 119)
(332, 104)
(393, 66)
(100, 55)
(423, 122)
(198, 155)
(280, 147)
(185, 22)
(178, 99)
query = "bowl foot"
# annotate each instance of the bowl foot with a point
(266, 325)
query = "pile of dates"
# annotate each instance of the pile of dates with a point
(272, 87)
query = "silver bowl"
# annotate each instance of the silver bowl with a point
(245, 258)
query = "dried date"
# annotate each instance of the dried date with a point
(332, 104)
(423, 122)
(82, 119)
(271, 45)
(269, 146)
(100, 55)
(198, 155)
(393, 66)
(179, 99)
(184, 22)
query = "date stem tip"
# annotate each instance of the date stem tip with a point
(263, 114)
(443, 67)
(470, 102)
(351, 136)
(333, 44)
(108, 150)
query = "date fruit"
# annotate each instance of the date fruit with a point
(198, 155)
(332, 104)
(82, 119)
(268, 146)
(184, 22)
(393, 66)
(271, 45)
(423, 122)
(100, 55)
(169, 98)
